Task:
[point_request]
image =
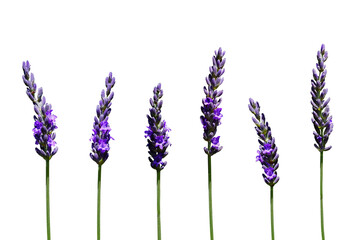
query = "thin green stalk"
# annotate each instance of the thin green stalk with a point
(98, 203)
(47, 201)
(272, 212)
(158, 203)
(210, 194)
(321, 196)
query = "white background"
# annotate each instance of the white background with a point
(270, 50)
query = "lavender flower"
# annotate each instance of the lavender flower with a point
(267, 153)
(44, 125)
(157, 133)
(101, 132)
(44, 134)
(211, 117)
(321, 120)
(321, 112)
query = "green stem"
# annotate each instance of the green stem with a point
(272, 212)
(47, 201)
(210, 194)
(321, 196)
(98, 203)
(158, 203)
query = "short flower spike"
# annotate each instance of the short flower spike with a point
(322, 120)
(157, 132)
(212, 115)
(267, 153)
(101, 128)
(45, 120)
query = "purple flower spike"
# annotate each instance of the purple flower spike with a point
(45, 121)
(211, 117)
(321, 120)
(101, 132)
(267, 153)
(157, 133)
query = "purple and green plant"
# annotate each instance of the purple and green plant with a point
(101, 136)
(267, 154)
(211, 117)
(43, 130)
(321, 120)
(157, 142)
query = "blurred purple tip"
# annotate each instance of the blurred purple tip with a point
(322, 49)
(26, 66)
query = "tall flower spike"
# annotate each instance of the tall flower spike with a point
(157, 132)
(267, 153)
(211, 117)
(321, 120)
(101, 128)
(44, 125)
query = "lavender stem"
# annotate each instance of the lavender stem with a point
(47, 201)
(98, 202)
(272, 212)
(321, 196)
(210, 194)
(158, 203)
